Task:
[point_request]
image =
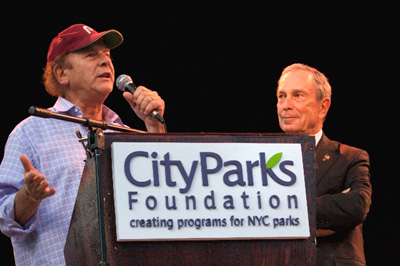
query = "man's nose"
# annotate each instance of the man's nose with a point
(105, 60)
(287, 103)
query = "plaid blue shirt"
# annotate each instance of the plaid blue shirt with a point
(54, 151)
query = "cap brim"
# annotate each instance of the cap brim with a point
(111, 38)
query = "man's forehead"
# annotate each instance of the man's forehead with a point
(297, 79)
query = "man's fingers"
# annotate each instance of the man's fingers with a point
(129, 98)
(40, 188)
(30, 173)
(26, 162)
(49, 192)
(36, 184)
(346, 191)
(37, 181)
(44, 187)
(153, 105)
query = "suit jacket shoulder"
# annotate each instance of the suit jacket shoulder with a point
(337, 157)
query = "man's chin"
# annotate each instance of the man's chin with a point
(291, 130)
(106, 88)
(288, 125)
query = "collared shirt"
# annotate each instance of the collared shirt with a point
(318, 137)
(54, 151)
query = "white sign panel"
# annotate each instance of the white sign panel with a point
(203, 191)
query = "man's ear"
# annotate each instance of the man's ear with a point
(325, 104)
(61, 74)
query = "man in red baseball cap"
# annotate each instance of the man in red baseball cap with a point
(43, 161)
(79, 36)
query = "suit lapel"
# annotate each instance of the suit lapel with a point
(327, 153)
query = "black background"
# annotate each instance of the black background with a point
(216, 64)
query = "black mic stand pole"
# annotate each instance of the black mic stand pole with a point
(95, 144)
(41, 112)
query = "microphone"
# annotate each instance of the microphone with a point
(125, 83)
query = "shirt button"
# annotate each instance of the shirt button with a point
(76, 109)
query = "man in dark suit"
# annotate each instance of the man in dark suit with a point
(343, 188)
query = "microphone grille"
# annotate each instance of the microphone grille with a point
(122, 81)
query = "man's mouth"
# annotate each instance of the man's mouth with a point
(288, 118)
(105, 75)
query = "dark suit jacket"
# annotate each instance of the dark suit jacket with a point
(340, 167)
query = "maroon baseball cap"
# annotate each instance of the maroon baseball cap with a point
(79, 36)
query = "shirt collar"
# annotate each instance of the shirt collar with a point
(318, 137)
(64, 106)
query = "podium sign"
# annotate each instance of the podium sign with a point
(209, 191)
(197, 199)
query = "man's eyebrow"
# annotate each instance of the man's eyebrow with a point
(92, 48)
(293, 91)
(297, 90)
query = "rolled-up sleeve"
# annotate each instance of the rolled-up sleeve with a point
(8, 225)
(11, 181)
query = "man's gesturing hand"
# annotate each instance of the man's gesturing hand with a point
(36, 185)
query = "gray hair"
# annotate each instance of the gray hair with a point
(321, 81)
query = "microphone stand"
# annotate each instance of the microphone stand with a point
(41, 112)
(95, 144)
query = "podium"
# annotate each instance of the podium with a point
(83, 245)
